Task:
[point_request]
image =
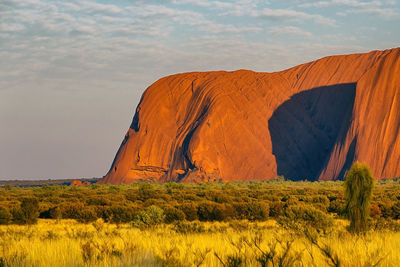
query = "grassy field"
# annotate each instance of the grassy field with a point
(277, 223)
(236, 243)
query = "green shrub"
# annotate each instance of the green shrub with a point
(173, 186)
(86, 215)
(320, 199)
(28, 211)
(151, 217)
(253, 211)
(146, 191)
(51, 213)
(396, 210)
(190, 211)
(301, 217)
(276, 209)
(98, 201)
(119, 214)
(210, 211)
(173, 214)
(358, 190)
(5, 216)
(79, 212)
(71, 210)
(386, 206)
(337, 206)
(205, 211)
(131, 195)
(375, 211)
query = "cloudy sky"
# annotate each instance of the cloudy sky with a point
(72, 72)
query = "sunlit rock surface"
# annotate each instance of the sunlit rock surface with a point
(308, 122)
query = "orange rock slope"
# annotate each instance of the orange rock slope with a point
(308, 122)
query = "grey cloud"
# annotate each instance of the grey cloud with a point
(289, 30)
(386, 13)
(350, 3)
(380, 8)
(214, 28)
(290, 15)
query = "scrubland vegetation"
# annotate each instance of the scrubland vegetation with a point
(276, 223)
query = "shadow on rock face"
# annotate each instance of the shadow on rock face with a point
(305, 128)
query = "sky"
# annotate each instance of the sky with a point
(72, 72)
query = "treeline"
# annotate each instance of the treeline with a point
(144, 204)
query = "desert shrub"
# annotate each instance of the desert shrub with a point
(155, 202)
(98, 201)
(78, 211)
(228, 211)
(320, 206)
(358, 190)
(131, 195)
(95, 186)
(172, 186)
(151, 217)
(321, 199)
(336, 206)
(146, 191)
(375, 211)
(5, 216)
(276, 209)
(190, 211)
(290, 199)
(210, 211)
(253, 211)
(28, 211)
(205, 211)
(173, 214)
(218, 196)
(86, 215)
(51, 213)
(385, 206)
(55, 213)
(99, 210)
(301, 217)
(396, 210)
(54, 200)
(71, 210)
(119, 214)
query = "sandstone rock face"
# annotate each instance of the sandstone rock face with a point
(308, 122)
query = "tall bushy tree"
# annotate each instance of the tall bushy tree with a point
(358, 191)
(28, 212)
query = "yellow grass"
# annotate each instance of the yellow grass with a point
(68, 243)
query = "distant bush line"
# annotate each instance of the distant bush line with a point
(146, 205)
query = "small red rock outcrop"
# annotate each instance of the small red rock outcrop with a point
(79, 183)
